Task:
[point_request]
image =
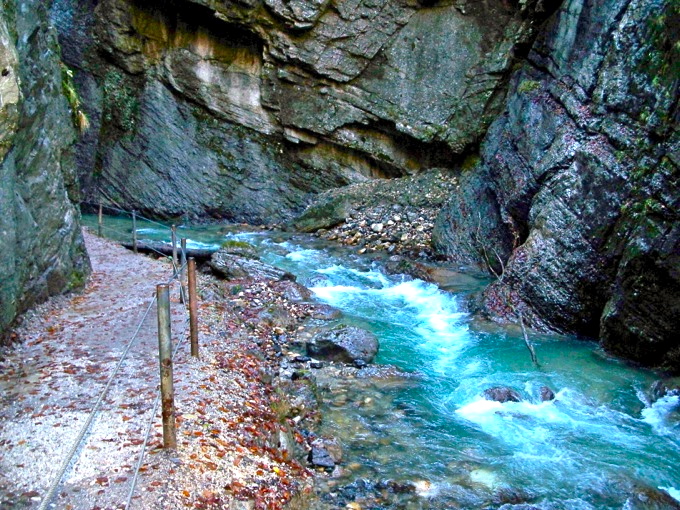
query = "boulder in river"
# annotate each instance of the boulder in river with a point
(663, 388)
(547, 394)
(502, 394)
(235, 266)
(343, 343)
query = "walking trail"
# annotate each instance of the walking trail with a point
(52, 378)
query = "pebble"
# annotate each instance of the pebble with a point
(377, 227)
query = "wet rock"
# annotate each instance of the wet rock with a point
(324, 312)
(325, 452)
(546, 394)
(346, 344)
(651, 498)
(240, 248)
(233, 267)
(295, 292)
(502, 394)
(663, 388)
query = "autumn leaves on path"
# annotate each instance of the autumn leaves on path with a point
(66, 352)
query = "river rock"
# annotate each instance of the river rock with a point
(324, 312)
(240, 248)
(234, 266)
(325, 452)
(502, 394)
(661, 388)
(546, 394)
(295, 292)
(277, 317)
(343, 343)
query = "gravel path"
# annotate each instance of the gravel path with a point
(66, 351)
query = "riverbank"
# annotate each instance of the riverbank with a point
(231, 421)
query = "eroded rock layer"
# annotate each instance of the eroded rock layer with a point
(42, 248)
(575, 201)
(241, 109)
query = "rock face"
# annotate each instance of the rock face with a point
(42, 247)
(241, 109)
(346, 344)
(575, 201)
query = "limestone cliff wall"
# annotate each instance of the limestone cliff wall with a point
(241, 109)
(42, 248)
(575, 202)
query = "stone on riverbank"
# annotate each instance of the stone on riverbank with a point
(346, 344)
(232, 266)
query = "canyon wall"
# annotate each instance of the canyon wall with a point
(575, 203)
(242, 109)
(42, 248)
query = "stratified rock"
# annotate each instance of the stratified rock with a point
(575, 199)
(346, 344)
(502, 394)
(238, 110)
(42, 247)
(233, 266)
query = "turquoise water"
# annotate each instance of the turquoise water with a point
(587, 449)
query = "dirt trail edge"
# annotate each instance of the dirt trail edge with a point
(230, 430)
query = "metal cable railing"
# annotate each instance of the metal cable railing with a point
(177, 275)
(67, 461)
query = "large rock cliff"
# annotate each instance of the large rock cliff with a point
(42, 248)
(240, 109)
(575, 201)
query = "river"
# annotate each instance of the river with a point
(599, 441)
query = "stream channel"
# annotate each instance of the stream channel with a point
(600, 444)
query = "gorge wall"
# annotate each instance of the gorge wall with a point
(42, 247)
(576, 200)
(241, 109)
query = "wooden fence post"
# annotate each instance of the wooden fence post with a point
(183, 271)
(134, 231)
(193, 308)
(165, 359)
(174, 250)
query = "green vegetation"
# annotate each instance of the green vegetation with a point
(76, 280)
(121, 105)
(237, 244)
(470, 162)
(80, 120)
(662, 60)
(528, 86)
